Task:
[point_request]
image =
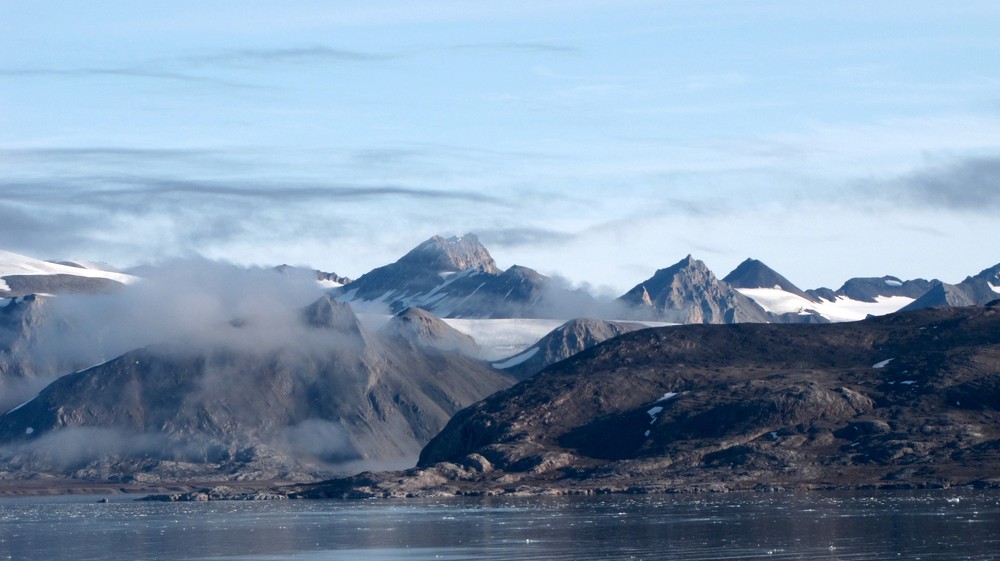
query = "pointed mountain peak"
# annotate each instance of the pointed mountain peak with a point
(457, 253)
(753, 273)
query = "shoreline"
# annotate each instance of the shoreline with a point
(71, 487)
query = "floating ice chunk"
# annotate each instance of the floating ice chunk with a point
(883, 364)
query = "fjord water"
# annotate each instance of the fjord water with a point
(939, 525)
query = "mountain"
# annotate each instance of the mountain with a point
(755, 274)
(422, 329)
(855, 300)
(329, 280)
(563, 342)
(871, 289)
(901, 401)
(974, 290)
(456, 277)
(253, 403)
(688, 292)
(21, 275)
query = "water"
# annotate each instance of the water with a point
(813, 526)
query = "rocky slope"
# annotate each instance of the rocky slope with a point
(254, 404)
(973, 291)
(422, 329)
(688, 292)
(906, 400)
(563, 342)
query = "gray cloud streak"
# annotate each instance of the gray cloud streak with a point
(125, 72)
(296, 55)
(970, 184)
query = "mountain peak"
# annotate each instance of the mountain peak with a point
(457, 253)
(688, 292)
(753, 273)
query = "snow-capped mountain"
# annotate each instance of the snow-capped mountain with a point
(855, 300)
(21, 275)
(456, 277)
(688, 292)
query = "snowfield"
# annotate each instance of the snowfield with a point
(502, 338)
(14, 264)
(841, 309)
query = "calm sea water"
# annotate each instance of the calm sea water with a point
(939, 525)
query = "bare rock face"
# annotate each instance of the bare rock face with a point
(688, 292)
(329, 396)
(906, 400)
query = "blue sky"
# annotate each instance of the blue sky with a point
(595, 140)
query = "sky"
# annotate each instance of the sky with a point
(594, 140)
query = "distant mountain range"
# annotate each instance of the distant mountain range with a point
(458, 278)
(369, 373)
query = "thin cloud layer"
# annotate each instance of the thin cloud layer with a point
(971, 184)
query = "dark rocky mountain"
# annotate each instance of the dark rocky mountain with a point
(973, 291)
(563, 342)
(755, 274)
(422, 329)
(457, 277)
(900, 401)
(261, 404)
(688, 292)
(867, 289)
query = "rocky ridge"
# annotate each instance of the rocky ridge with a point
(902, 401)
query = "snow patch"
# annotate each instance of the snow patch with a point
(516, 359)
(994, 288)
(653, 413)
(908, 382)
(893, 283)
(329, 283)
(4, 287)
(841, 309)
(883, 363)
(667, 396)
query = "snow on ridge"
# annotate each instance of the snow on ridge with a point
(994, 288)
(667, 396)
(14, 264)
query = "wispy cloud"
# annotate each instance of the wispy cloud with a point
(518, 47)
(971, 184)
(123, 72)
(312, 54)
